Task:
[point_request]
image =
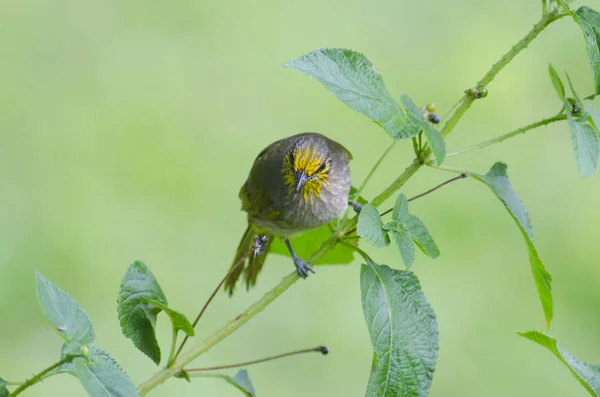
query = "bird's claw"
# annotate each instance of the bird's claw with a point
(357, 207)
(302, 267)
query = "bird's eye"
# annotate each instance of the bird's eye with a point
(292, 157)
(322, 167)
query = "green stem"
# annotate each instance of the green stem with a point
(467, 100)
(375, 167)
(397, 184)
(38, 377)
(511, 134)
(321, 349)
(202, 347)
(173, 343)
(355, 248)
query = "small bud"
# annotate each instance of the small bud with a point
(323, 349)
(434, 118)
(481, 93)
(573, 106)
(183, 375)
(477, 92)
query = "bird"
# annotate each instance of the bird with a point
(296, 184)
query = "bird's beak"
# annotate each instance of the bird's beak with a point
(301, 179)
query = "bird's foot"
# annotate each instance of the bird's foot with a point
(357, 207)
(302, 267)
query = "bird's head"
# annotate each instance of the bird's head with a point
(306, 168)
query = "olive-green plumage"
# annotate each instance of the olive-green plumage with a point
(295, 184)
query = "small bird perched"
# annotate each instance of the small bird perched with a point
(295, 184)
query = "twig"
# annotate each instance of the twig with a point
(321, 349)
(463, 175)
(38, 377)
(231, 270)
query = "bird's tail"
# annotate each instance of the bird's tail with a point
(252, 260)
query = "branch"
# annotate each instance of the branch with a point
(511, 134)
(321, 349)
(173, 357)
(38, 377)
(498, 66)
(232, 326)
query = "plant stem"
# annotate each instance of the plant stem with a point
(467, 100)
(38, 377)
(463, 175)
(511, 134)
(397, 184)
(375, 167)
(350, 227)
(172, 357)
(320, 349)
(233, 325)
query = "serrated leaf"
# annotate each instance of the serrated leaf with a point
(586, 144)
(307, 244)
(433, 136)
(421, 236)
(136, 316)
(178, 320)
(101, 376)
(67, 316)
(353, 79)
(405, 225)
(370, 227)
(587, 374)
(3, 389)
(497, 180)
(404, 242)
(400, 211)
(557, 83)
(589, 20)
(403, 331)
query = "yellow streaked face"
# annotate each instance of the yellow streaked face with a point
(306, 170)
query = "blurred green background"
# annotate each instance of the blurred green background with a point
(127, 129)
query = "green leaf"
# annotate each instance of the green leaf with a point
(557, 83)
(370, 227)
(241, 381)
(403, 332)
(408, 230)
(179, 321)
(586, 144)
(497, 180)
(587, 374)
(589, 20)
(3, 389)
(433, 136)
(136, 316)
(67, 316)
(360, 199)
(421, 236)
(353, 79)
(307, 244)
(403, 241)
(594, 115)
(101, 376)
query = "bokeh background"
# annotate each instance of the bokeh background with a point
(127, 128)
